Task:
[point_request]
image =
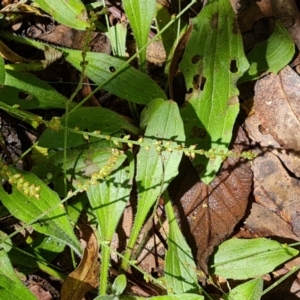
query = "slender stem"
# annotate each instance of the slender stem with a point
(105, 259)
(293, 270)
(132, 240)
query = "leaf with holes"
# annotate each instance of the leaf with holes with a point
(130, 84)
(29, 92)
(213, 62)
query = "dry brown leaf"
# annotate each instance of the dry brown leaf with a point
(209, 213)
(276, 190)
(86, 276)
(277, 105)
(264, 223)
(259, 134)
(40, 293)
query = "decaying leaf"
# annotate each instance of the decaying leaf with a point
(208, 213)
(264, 222)
(277, 105)
(275, 189)
(259, 134)
(86, 276)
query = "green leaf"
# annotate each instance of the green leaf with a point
(147, 112)
(180, 267)
(171, 35)
(10, 285)
(264, 56)
(213, 62)
(68, 12)
(130, 84)
(81, 162)
(87, 119)
(250, 290)
(119, 285)
(29, 92)
(108, 200)
(117, 36)
(140, 14)
(31, 197)
(156, 169)
(243, 259)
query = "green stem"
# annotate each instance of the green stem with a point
(294, 269)
(105, 259)
(138, 224)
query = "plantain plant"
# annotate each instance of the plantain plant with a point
(95, 155)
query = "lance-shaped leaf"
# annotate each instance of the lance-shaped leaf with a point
(10, 285)
(29, 92)
(213, 62)
(86, 118)
(129, 84)
(155, 167)
(82, 162)
(68, 12)
(108, 200)
(180, 268)
(264, 56)
(30, 198)
(254, 258)
(250, 290)
(140, 14)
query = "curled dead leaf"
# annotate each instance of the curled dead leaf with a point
(86, 276)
